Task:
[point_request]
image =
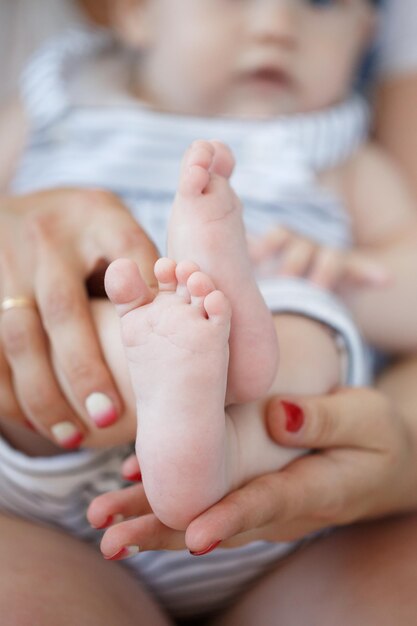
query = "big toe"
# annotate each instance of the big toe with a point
(223, 160)
(196, 166)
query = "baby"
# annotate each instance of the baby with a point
(271, 78)
(207, 341)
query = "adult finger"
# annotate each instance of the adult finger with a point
(335, 420)
(258, 504)
(130, 469)
(9, 406)
(313, 492)
(27, 352)
(34, 381)
(66, 317)
(120, 236)
(144, 533)
(118, 505)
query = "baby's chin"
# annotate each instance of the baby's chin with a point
(263, 107)
(263, 102)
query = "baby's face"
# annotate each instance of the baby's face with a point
(248, 58)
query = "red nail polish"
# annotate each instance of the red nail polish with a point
(134, 478)
(106, 419)
(106, 524)
(210, 548)
(123, 553)
(73, 443)
(295, 417)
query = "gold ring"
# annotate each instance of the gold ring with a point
(20, 302)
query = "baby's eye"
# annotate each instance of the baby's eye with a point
(321, 3)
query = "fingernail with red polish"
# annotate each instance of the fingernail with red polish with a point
(101, 409)
(295, 417)
(124, 553)
(210, 548)
(134, 478)
(110, 521)
(67, 435)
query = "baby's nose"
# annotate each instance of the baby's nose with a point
(275, 20)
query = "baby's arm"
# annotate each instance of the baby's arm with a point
(384, 218)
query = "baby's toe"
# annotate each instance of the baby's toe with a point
(223, 161)
(195, 172)
(165, 274)
(217, 307)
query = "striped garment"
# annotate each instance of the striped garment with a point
(99, 137)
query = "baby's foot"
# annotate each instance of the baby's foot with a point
(206, 225)
(177, 350)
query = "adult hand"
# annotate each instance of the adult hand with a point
(50, 244)
(364, 467)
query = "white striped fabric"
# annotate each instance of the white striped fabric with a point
(136, 152)
(56, 491)
(124, 147)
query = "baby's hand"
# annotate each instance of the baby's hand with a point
(284, 253)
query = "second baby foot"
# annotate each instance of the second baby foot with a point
(177, 350)
(206, 225)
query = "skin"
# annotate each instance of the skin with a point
(67, 234)
(256, 38)
(380, 500)
(214, 68)
(395, 120)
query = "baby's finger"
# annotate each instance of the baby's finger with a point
(270, 245)
(331, 421)
(114, 506)
(327, 268)
(365, 272)
(138, 535)
(297, 257)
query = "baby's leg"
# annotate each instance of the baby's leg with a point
(310, 364)
(206, 226)
(177, 350)
(191, 451)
